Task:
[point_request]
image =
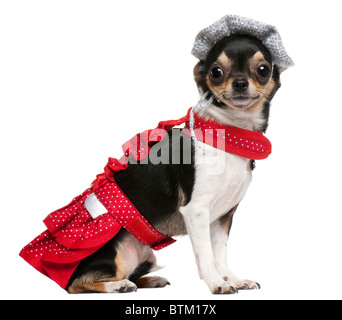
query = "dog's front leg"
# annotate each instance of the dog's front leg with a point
(219, 236)
(198, 226)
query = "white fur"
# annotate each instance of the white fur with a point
(221, 181)
(250, 120)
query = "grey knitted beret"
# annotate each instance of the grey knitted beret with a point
(232, 24)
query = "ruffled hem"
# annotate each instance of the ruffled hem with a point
(53, 259)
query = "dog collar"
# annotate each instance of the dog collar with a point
(244, 143)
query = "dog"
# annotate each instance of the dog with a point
(178, 199)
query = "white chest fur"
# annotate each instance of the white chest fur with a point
(221, 181)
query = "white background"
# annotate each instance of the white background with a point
(79, 78)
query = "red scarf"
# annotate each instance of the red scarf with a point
(244, 143)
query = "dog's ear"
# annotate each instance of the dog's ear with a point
(198, 74)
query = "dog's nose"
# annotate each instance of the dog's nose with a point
(240, 85)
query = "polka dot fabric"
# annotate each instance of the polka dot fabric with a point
(75, 228)
(245, 143)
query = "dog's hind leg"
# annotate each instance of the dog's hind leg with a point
(116, 267)
(142, 281)
(89, 284)
(104, 280)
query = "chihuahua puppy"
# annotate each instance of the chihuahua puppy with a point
(183, 198)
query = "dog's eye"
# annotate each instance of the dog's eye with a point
(264, 71)
(216, 74)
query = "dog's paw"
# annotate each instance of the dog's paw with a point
(243, 284)
(152, 282)
(223, 288)
(249, 285)
(122, 286)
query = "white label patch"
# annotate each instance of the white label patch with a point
(94, 206)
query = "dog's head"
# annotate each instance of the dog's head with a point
(239, 73)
